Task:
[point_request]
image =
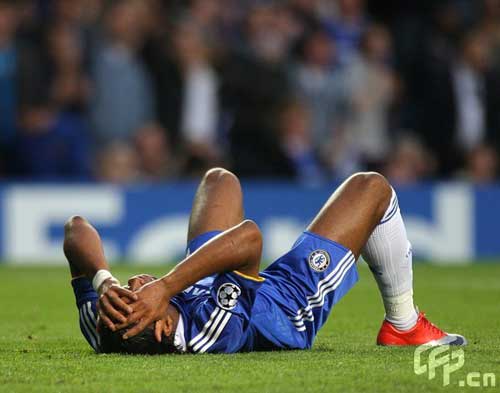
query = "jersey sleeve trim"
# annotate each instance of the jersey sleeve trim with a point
(257, 279)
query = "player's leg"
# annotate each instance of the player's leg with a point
(84, 252)
(364, 216)
(353, 211)
(320, 268)
(217, 206)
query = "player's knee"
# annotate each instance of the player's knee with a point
(74, 222)
(221, 176)
(373, 183)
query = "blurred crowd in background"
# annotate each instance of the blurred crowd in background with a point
(310, 90)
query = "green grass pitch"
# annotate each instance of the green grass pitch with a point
(42, 350)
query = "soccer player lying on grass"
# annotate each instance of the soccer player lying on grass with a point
(216, 301)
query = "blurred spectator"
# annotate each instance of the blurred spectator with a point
(482, 165)
(462, 111)
(78, 19)
(372, 91)
(118, 163)
(297, 144)
(22, 78)
(71, 13)
(347, 28)
(446, 30)
(8, 69)
(469, 87)
(154, 154)
(268, 33)
(408, 162)
(324, 92)
(200, 106)
(52, 140)
(164, 68)
(206, 15)
(306, 13)
(123, 97)
(490, 23)
(70, 88)
(219, 75)
(51, 145)
(255, 87)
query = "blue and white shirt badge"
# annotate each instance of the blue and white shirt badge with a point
(319, 260)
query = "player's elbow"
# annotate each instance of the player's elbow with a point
(252, 236)
(250, 247)
(74, 222)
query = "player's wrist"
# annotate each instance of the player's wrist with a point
(166, 284)
(103, 276)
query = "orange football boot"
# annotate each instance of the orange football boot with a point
(424, 332)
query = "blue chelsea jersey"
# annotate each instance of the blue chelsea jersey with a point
(231, 312)
(282, 309)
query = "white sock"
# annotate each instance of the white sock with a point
(389, 256)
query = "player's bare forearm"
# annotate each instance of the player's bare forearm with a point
(82, 247)
(238, 248)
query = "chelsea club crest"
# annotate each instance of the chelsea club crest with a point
(319, 260)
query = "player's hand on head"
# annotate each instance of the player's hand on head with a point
(135, 282)
(151, 305)
(113, 305)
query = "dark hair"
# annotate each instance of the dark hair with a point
(143, 344)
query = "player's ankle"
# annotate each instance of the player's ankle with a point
(400, 311)
(403, 325)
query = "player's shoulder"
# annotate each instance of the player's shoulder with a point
(219, 323)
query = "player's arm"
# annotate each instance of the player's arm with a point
(238, 248)
(84, 252)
